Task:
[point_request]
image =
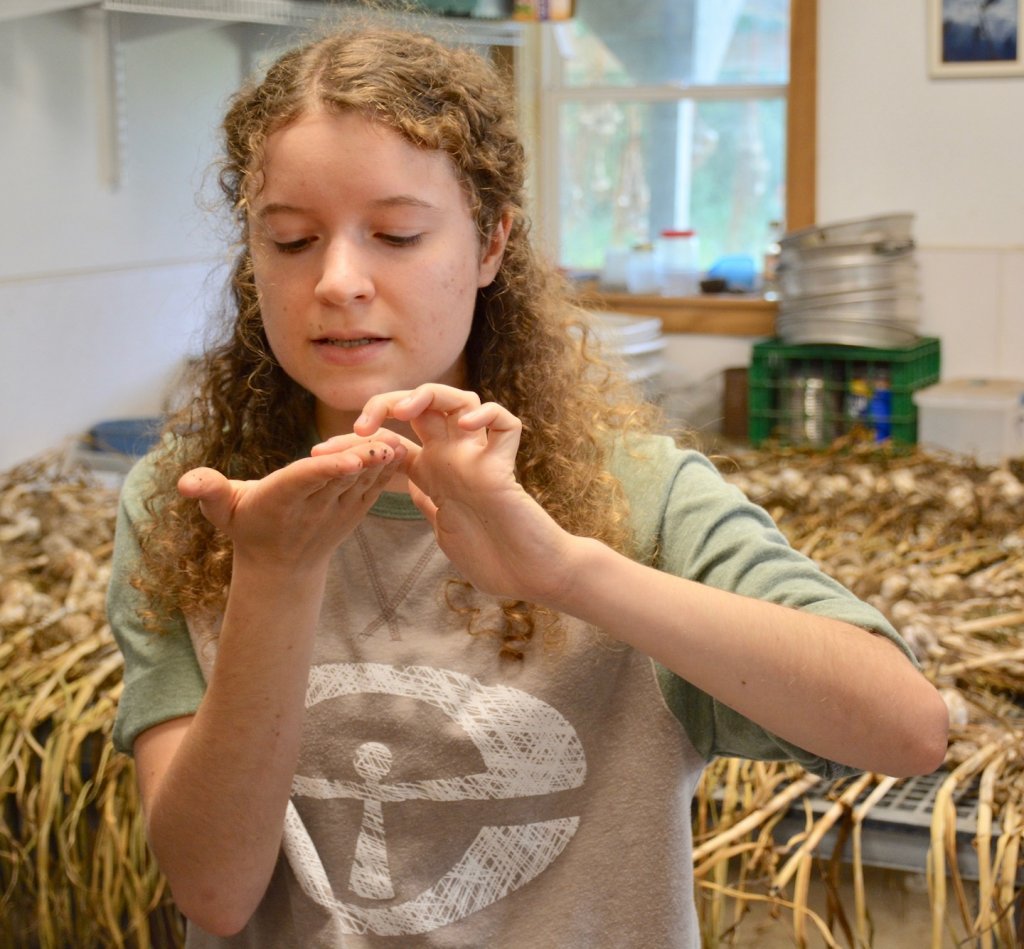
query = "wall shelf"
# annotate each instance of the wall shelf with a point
(113, 23)
(304, 13)
(726, 314)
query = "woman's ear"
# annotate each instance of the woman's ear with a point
(494, 250)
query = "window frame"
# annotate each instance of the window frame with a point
(748, 315)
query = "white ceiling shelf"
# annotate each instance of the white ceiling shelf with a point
(112, 23)
(300, 13)
(286, 13)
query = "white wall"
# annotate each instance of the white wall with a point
(102, 292)
(890, 138)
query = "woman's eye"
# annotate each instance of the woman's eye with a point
(396, 240)
(293, 247)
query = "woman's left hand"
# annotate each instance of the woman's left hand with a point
(462, 477)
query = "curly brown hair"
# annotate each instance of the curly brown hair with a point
(529, 347)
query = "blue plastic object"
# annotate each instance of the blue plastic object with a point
(126, 436)
(880, 413)
(737, 270)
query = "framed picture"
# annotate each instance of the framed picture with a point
(974, 38)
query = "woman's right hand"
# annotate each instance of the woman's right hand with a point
(215, 785)
(297, 515)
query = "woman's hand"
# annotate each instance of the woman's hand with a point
(299, 514)
(215, 785)
(462, 477)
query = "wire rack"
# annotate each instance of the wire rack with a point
(896, 832)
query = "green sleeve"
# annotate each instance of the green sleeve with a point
(693, 524)
(162, 679)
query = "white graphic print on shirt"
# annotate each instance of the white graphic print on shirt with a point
(529, 749)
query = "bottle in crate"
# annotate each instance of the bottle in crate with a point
(858, 397)
(812, 407)
(880, 408)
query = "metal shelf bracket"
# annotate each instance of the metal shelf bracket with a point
(108, 64)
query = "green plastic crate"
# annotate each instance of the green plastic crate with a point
(813, 394)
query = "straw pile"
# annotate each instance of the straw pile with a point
(74, 870)
(935, 543)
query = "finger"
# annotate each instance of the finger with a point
(342, 468)
(423, 502)
(432, 397)
(490, 415)
(338, 443)
(378, 409)
(503, 428)
(433, 411)
(326, 475)
(408, 405)
(407, 453)
(201, 483)
(365, 487)
(377, 454)
(213, 492)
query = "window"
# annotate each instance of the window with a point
(673, 116)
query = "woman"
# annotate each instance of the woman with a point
(402, 441)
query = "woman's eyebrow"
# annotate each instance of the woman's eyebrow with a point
(278, 208)
(391, 201)
(403, 200)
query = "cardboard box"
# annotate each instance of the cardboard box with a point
(543, 10)
(981, 418)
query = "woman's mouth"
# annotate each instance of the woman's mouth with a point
(348, 343)
(350, 350)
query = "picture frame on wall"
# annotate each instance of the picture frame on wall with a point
(975, 38)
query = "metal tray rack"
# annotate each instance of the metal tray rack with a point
(896, 832)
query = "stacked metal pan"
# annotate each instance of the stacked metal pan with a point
(853, 282)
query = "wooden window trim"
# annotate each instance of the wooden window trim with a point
(801, 115)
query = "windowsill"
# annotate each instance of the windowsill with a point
(716, 314)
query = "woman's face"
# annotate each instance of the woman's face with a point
(367, 262)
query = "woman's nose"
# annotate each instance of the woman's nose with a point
(345, 276)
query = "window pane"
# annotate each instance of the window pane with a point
(676, 41)
(632, 169)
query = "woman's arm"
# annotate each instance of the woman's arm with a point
(834, 689)
(215, 785)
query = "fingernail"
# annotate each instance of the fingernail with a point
(362, 420)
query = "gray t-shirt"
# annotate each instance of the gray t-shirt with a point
(447, 798)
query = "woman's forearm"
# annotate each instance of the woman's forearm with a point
(833, 689)
(215, 786)
(216, 798)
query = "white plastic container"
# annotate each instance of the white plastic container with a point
(679, 271)
(982, 418)
(642, 269)
(616, 263)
